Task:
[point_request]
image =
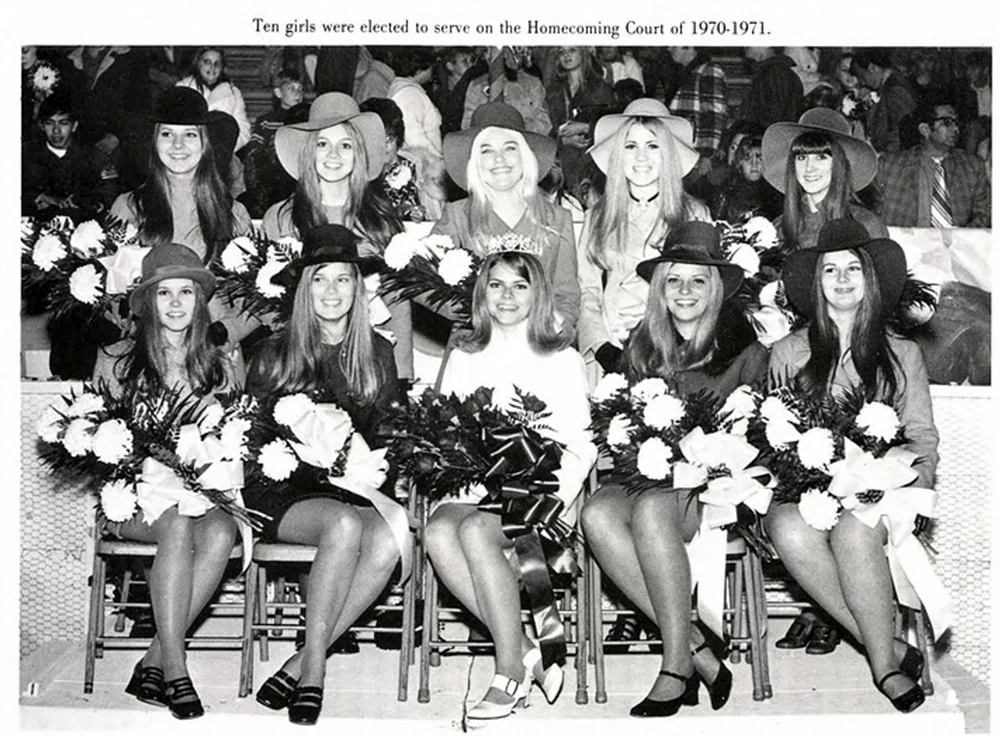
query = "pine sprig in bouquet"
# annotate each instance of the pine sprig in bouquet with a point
(434, 267)
(145, 447)
(820, 449)
(84, 269)
(448, 444)
(308, 433)
(244, 271)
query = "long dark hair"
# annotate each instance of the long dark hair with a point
(367, 212)
(873, 357)
(543, 336)
(300, 365)
(142, 365)
(834, 204)
(213, 201)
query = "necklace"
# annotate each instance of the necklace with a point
(642, 204)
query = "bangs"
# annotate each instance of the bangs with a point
(812, 142)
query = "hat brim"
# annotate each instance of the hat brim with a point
(200, 275)
(888, 259)
(457, 149)
(290, 275)
(609, 125)
(778, 140)
(730, 273)
(289, 139)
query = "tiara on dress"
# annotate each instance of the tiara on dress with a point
(511, 242)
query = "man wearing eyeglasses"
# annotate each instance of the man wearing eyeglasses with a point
(934, 184)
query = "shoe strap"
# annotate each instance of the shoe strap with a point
(283, 682)
(506, 685)
(309, 694)
(182, 687)
(682, 678)
(886, 676)
(152, 676)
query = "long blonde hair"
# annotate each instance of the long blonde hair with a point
(656, 347)
(301, 367)
(610, 223)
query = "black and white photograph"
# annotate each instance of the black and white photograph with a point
(428, 373)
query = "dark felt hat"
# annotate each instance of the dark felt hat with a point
(888, 259)
(458, 145)
(171, 261)
(698, 243)
(185, 106)
(327, 244)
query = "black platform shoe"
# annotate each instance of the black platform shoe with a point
(277, 691)
(721, 687)
(146, 685)
(306, 706)
(182, 687)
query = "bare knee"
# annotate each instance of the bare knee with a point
(218, 529)
(655, 512)
(381, 548)
(788, 530)
(172, 527)
(603, 516)
(477, 527)
(440, 532)
(852, 536)
(342, 528)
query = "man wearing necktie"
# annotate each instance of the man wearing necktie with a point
(934, 184)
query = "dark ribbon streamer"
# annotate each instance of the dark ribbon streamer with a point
(520, 487)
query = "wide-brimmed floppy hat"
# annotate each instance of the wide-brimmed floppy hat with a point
(609, 125)
(779, 136)
(888, 259)
(332, 108)
(458, 145)
(170, 261)
(185, 106)
(697, 243)
(327, 244)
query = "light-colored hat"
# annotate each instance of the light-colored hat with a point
(328, 110)
(779, 136)
(170, 261)
(458, 145)
(609, 125)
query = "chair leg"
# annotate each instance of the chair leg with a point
(407, 636)
(95, 614)
(757, 619)
(430, 633)
(597, 630)
(915, 619)
(126, 592)
(249, 609)
(738, 622)
(262, 611)
(580, 611)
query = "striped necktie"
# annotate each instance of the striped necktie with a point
(940, 204)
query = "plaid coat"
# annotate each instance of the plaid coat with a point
(702, 100)
(899, 176)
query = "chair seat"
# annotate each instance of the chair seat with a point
(126, 548)
(280, 552)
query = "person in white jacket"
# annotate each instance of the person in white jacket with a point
(414, 68)
(514, 344)
(208, 78)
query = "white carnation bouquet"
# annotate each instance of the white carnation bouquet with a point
(85, 269)
(302, 432)
(434, 266)
(829, 455)
(148, 450)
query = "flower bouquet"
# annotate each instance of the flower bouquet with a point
(830, 455)
(434, 266)
(247, 265)
(297, 433)
(148, 450)
(449, 445)
(86, 268)
(753, 245)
